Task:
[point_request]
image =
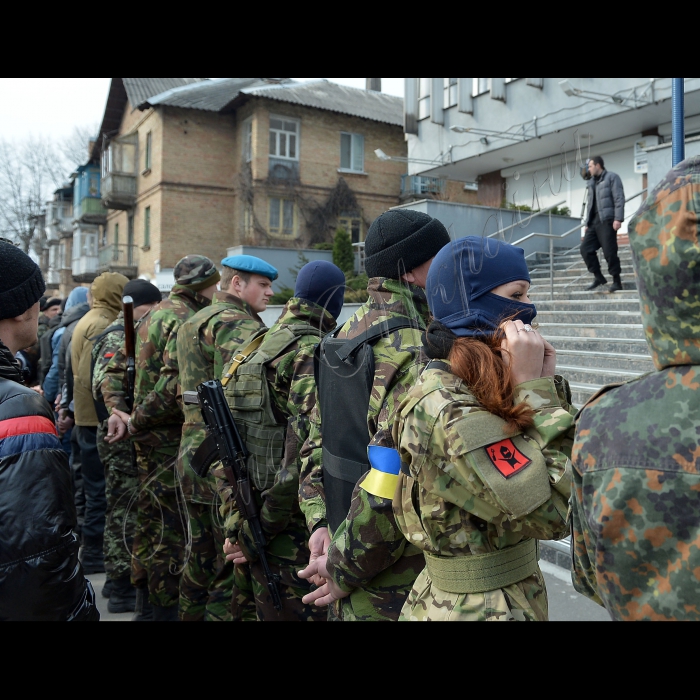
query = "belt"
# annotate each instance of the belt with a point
(484, 572)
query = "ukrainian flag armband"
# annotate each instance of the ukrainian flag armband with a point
(383, 479)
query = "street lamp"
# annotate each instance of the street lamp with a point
(572, 91)
(485, 133)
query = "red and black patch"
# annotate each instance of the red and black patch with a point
(507, 458)
(110, 355)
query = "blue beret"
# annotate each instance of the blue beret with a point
(255, 266)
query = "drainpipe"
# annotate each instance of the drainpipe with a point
(678, 120)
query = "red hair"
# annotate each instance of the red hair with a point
(479, 363)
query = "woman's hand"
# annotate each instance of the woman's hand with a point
(549, 368)
(524, 352)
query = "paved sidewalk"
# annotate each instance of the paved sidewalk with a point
(566, 605)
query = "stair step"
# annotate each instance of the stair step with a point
(601, 303)
(624, 346)
(621, 331)
(590, 318)
(543, 293)
(607, 360)
(596, 375)
(582, 393)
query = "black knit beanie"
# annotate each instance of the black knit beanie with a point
(21, 282)
(400, 241)
(143, 292)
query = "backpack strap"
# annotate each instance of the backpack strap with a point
(242, 356)
(372, 336)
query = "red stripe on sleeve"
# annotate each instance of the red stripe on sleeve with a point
(29, 425)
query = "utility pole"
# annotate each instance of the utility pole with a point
(678, 120)
(374, 84)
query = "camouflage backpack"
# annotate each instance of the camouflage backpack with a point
(248, 395)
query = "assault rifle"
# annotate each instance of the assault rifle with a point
(130, 346)
(234, 456)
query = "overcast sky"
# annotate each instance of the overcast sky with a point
(54, 106)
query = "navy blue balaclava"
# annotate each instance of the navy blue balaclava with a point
(322, 283)
(461, 280)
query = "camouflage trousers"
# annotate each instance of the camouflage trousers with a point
(162, 523)
(122, 491)
(287, 554)
(207, 581)
(524, 602)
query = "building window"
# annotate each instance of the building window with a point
(481, 86)
(249, 220)
(149, 151)
(283, 217)
(451, 92)
(116, 235)
(352, 153)
(353, 225)
(147, 228)
(248, 141)
(424, 98)
(284, 138)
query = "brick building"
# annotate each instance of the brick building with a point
(191, 165)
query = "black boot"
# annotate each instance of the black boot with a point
(599, 282)
(92, 557)
(617, 285)
(107, 589)
(143, 608)
(123, 598)
(166, 614)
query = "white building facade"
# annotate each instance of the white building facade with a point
(524, 141)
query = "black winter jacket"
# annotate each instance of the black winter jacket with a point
(41, 578)
(609, 194)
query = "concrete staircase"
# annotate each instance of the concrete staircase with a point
(599, 337)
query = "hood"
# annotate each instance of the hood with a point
(9, 367)
(665, 241)
(77, 297)
(108, 290)
(74, 315)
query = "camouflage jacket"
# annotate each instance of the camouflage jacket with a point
(636, 501)
(369, 556)
(293, 392)
(459, 497)
(205, 345)
(157, 415)
(107, 348)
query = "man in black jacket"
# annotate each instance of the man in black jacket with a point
(40, 576)
(606, 212)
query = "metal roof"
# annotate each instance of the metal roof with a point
(138, 90)
(212, 96)
(323, 94)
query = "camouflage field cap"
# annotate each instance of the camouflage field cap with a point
(196, 272)
(664, 236)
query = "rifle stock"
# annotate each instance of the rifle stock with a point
(130, 345)
(234, 456)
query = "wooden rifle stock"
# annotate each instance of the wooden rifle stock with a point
(130, 345)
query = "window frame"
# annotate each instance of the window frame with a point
(279, 232)
(148, 156)
(346, 222)
(147, 227)
(248, 140)
(352, 169)
(278, 132)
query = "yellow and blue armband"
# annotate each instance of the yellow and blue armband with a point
(383, 479)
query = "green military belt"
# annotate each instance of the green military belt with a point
(484, 572)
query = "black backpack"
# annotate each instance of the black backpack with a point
(345, 377)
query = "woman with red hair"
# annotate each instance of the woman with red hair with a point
(483, 444)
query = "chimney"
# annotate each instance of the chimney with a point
(374, 84)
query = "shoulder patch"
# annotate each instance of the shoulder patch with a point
(507, 458)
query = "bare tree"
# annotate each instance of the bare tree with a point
(28, 173)
(75, 148)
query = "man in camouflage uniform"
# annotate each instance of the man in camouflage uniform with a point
(207, 343)
(636, 502)
(119, 458)
(156, 427)
(369, 563)
(318, 301)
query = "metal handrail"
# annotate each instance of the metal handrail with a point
(532, 217)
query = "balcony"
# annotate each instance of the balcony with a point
(119, 258)
(284, 170)
(91, 211)
(119, 192)
(84, 269)
(414, 186)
